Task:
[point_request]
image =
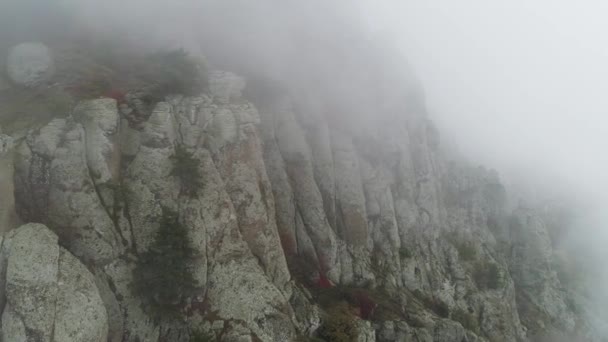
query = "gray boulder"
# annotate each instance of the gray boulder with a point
(49, 294)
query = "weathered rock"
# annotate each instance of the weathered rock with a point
(237, 288)
(50, 295)
(225, 86)
(540, 298)
(366, 332)
(293, 149)
(100, 121)
(372, 206)
(53, 186)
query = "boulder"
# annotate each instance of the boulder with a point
(50, 295)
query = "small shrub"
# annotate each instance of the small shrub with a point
(302, 270)
(163, 274)
(405, 253)
(414, 321)
(466, 250)
(186, 168)
(493, 224)
(365, 303)
(439, 307)
(339, 324)
(175, 72)
(467, 320)
(487, 275)
(201, 336)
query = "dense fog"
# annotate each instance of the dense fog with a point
(519, 86)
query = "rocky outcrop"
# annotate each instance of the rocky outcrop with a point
(542, 301)
(290, 203)
(47, 294)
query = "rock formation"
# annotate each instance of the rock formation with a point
(294, 213)
(47, 294)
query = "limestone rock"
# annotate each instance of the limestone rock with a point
(541, 299)
(225, 86)
(53, 185)
(290, 202)
(50, 295)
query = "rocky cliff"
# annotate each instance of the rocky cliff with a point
(302, 226)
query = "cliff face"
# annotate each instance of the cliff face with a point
(296, 211)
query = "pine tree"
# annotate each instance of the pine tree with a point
(163, 275)
(186, 168)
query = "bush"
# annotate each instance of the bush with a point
(405, 253)
(487, 275)
(186, 168)
(466, 249)
(175, 72)
(339, 324)
(163, 274)
(413, 320)
(201, 336)
(440, 308)
(467, 320)
(436, 305)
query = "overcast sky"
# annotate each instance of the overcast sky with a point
(521, 85)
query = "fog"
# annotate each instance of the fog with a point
(520, 86)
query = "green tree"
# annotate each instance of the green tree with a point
(339, 325)
(186, 168)
(163, 275)
(175, 72)
(487, 275)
